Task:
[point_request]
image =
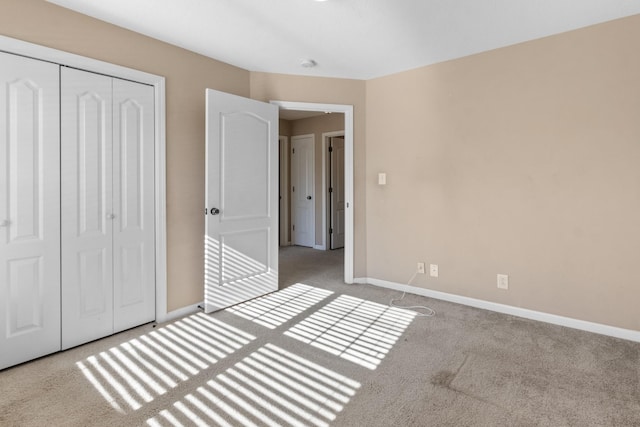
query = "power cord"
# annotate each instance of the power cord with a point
(429, 311)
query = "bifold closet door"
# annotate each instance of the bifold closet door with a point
(108, 229)
(29, 209)
(134, 283)
(86, 206)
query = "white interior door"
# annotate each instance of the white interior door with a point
(241, 221)
(336, 188)
(302, 191)
(87, 209)
(29, 209)
(133, 205)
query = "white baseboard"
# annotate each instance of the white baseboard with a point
(583, 325)
(320, 247)
(181, 312)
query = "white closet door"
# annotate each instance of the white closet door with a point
(133, 205)
(29, 209)
(87, 211)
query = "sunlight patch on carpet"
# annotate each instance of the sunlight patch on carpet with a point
(135, 372)
(277, 308)
(269, 387)
(354, 329)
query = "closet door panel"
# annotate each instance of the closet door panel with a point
(29, 209)
(87, 208)
(134, 236)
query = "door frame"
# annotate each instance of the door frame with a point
(42, 53)
(347, 110)
(326, 136)
(313, 186)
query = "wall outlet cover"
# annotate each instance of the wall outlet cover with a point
(503, 281)
(433, 270)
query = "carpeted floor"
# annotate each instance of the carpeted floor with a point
(322, 353)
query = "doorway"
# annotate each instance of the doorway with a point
(347, 111)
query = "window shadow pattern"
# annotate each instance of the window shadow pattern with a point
(354, 329)
(272, 387)
(135, 372)
(274, 309)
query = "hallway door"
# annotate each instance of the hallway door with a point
(302, 191)
(336, 192)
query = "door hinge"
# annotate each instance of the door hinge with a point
(294, 228)
(293, 151)
(331, 231)
(330, 189)
(330, 149)
(293, 189)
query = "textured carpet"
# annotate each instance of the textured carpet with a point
(322, 353)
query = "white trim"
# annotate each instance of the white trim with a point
(320, 247)
(347, 110)
(325, 180)
(313, 184)
(60, 57)
(539, 316)
(161, 201)
(181, 312)
(43, 53)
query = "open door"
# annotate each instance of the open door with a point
(241, 206)
(336, 192)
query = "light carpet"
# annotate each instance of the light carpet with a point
(322, 353)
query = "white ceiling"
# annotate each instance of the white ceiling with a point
(358, 39)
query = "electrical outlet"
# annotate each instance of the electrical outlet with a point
(421, 267)
(433, 270)
(503, 281)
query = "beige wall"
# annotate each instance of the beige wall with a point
(285, 130)
(284, 127)
(187, 75)
(280, 87)
(316, 126)
(523, 161)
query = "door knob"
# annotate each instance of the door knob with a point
(110, 216)
(215, 211)
(4, 223)
(308, 197)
